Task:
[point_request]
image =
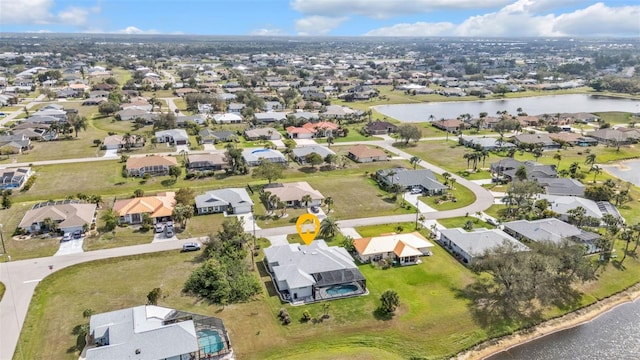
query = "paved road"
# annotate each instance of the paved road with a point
(29, 105)
(21, 277)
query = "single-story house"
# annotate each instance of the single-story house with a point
(299, 154)
(154, 332)
(468, 246)
(536, 140)
(597, 209)
(131, 113)
(483, 142)
(208, 136)
(380, 128)
(113, 142)
(173, 136)
(610, 136)
(573, 139)
(365, 154)
(14, 178)
(94, 101)
(35, 131)
(308, 273)
(14, 144)
(204, 162)
(228, 118)
(232, 200)
(152, 164)
(235, 108)
(406, 249)
(198, 119)
(292, 193)
(423, 179)
(507, 168)
(305, 115)
(450, 125)
(561, 186)
(269, 117)
(294, 132)
(71, 215)
(253, 156)
(267, 133)
(553, 230)
(159, 207)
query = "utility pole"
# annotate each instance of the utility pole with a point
(4, 249)
(417, 210)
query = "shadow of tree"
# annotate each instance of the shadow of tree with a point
(382, 315)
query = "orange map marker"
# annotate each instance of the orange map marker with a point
(308, 226)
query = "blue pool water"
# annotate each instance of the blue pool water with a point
(210, 341)
(259, 151)
(341, 290)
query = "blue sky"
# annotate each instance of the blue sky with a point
(498, 18)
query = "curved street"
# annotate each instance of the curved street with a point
(22, 277)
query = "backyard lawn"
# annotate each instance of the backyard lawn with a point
(463, 197)
(431, 322)
(459, 222)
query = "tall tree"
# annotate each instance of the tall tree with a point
(414, 160)
(328, 228)
(268, 170)
(389, 301)
(409, 132)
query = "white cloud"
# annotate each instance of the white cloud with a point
(132, 30)
(318, 25)
(520, 19)
(40, 12)
(387, 8)
(416, 29)
(268, 32)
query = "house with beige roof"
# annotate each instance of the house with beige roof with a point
(117, 142)
(365, 154)
(405, 249)
(153, 164)
(70, 215)
(158, 207)
(292, 193)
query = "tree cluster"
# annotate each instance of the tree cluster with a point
(225, 276)
(521, 283)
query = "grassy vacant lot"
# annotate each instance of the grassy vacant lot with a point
(432, 321)
(462, 220)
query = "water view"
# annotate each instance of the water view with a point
(539, 105)
(626, 170)
(613, 335)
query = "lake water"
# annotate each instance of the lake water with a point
(612, 335)
(552, 104)
(626, 170)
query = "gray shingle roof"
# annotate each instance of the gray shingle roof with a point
(221, 197)
(475, 243)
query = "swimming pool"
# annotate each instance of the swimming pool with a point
(341, 290)
(210, 341)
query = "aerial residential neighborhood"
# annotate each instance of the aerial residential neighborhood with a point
(151, 188)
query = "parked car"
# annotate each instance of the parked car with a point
(66, 237)
(159, 228)
(416, 190)
(191, 246)
(169, 231)
(77, 234)
(315, 209)
(491, 221)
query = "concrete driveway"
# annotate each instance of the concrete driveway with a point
(307, 142)
(209, 147)
(277, 240)
(278, 143)
(70, 247)
(182, 148)
(414, 198)
(111, 153)
(247, 222)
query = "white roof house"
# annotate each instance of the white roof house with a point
(406, 248)
(253, 156)
(228, 118)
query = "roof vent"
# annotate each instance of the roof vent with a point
(138, 351)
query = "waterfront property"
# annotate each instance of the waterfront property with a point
(314, 272)
(400, 249)
(232, 200)
(468, 246)
(155, 332)
(552, 230)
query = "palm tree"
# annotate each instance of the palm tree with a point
(597, 170)
(468, 157)
(573, 168)
(484, 153)
(127, 137)
(273, 201)
(328, 201)
(414, 161)
(446, 177)
(328, 228)
(627, 236)
(557, 156)
(306, 200)
(590, 160)
(78, 123)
